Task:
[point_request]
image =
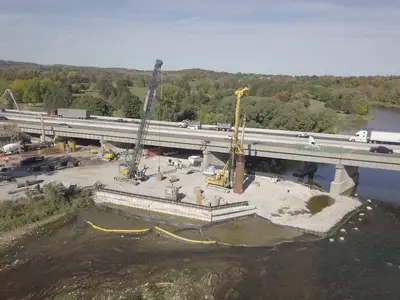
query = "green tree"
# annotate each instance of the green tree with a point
(96, 106)
(168, 108)
(132, 107)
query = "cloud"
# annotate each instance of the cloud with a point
(262, 36)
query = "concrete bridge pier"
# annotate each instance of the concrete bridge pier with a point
(346, 177)
(216, 159)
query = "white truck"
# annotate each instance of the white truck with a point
(190, 124)
(223, 127)
(73, 113)
(12, 148)
(371, 136)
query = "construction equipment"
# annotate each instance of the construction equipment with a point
(107, 153)
(12, 97)
(131, 166)
(224, 178)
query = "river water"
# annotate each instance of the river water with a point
(73, 261)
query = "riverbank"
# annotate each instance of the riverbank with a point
(9, 238)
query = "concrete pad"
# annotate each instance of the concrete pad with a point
(283, 203)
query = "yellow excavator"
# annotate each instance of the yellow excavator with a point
(107, 152)
(224, 177)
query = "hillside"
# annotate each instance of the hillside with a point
(304, 103)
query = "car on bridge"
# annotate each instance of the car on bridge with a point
(381, 149)
(3, 118)
(64, 125)
(303, 135)
(121, 121)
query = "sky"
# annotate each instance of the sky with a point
(293, 37)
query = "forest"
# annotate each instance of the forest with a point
(300, 103)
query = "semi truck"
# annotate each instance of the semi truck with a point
(69, 113)
(190, 124)
(371, 136)
(223, 127)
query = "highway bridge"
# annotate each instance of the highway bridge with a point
(331, 149)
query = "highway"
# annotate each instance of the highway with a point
(12, 114)
(202, 135)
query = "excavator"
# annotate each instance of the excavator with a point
(107, 153)
(130, 168)
(224, 178)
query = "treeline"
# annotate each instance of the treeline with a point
(305, 103)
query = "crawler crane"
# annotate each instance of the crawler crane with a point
(224, 178)
(130, 168)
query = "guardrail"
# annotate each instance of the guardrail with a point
(158, 199)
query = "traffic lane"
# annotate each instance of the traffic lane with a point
(249, 130)
(218, 135)
(254, 143)
(254, 139)
(178, 132)
(133, 128)
(353, 151)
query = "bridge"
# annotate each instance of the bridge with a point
(332, 149)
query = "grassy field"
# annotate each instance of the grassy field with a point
(316, 105)
(139, 91)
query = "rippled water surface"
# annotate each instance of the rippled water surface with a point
(74, 258)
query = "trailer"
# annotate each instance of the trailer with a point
(223, 127)
(190, 124)
(69, 113)
(372, 136)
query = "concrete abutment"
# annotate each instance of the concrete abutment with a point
(346, 177)
(211, 158)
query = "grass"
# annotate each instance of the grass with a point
(139, 91)
(317, 203)
(316, 105)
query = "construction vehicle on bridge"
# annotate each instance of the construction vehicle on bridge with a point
(130, 168)
(225, 177)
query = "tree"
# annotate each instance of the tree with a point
(106, 88)
(132, 107)
(168, 108)
(96, 106)
(53, 98)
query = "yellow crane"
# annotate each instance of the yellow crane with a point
(223, 177)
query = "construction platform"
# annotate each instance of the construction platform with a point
(281, 202)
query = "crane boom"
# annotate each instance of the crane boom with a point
(12, 97)
(131, 169)
(239, 94)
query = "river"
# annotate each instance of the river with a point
(72, 261)
(373, 183)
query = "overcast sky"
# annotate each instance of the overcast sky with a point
(339, 37)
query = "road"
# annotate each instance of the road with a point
(202, 135)
(12, 114)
